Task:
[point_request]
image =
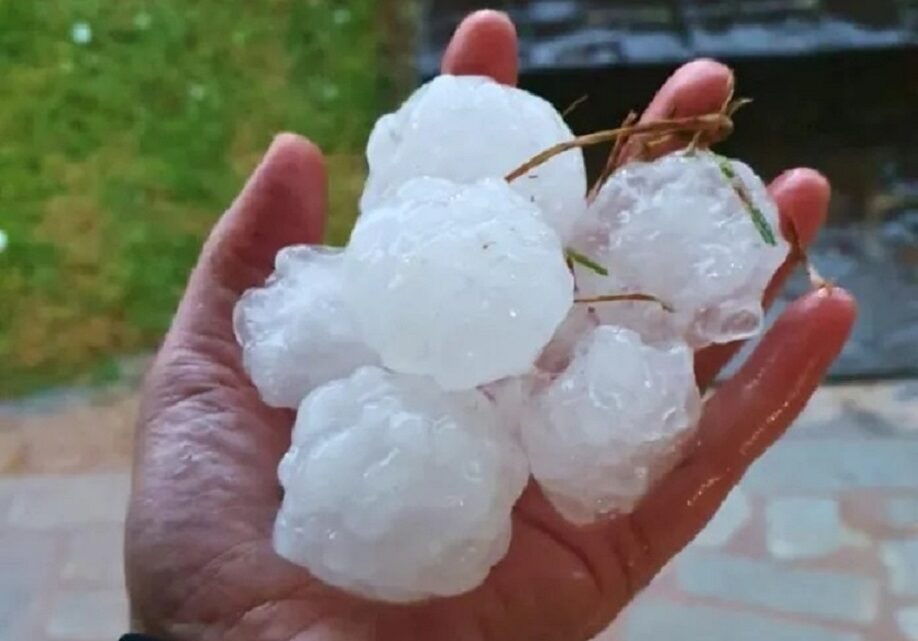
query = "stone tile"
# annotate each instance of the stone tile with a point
(902, 512)
(94, 557)
(28, 563)
(28, 559)
(901, 560)
(6, 502)
(907, 619)
(14, 604)
(800, 528)
(732, 515)
(829, 595)
(92, 615)
(831, 465)
(664, 621)
(48, 503)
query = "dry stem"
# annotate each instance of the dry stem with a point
(625, 298)
(724, 109)
(612, 162)
(716, 124)
(571, 108)
(799, 254)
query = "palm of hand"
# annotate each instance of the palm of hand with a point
(199, 557)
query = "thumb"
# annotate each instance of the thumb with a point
(283, 203)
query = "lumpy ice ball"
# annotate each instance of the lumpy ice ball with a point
(465, 128)
(296, 332)
(397, 490)
(675, 228)
(612, 424)
(463, 283)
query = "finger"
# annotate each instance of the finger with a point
(696, 88)
(803, 197)
(485, 44)
(746, 416)
(283, 203)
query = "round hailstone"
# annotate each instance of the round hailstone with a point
(465, 128)
(677, 229)
(296, 332)
(463, 283)
(397, 490)
(612, 424)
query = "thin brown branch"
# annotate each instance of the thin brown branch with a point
(724, 109)
(799, 254)
(612, 162)
(649, 148)
(625, 298)
(571, 108)
(717, 124)
(738, 104)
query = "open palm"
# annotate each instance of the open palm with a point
(199, 557)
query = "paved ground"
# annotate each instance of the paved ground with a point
(820, 543)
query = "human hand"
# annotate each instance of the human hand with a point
(199, 558)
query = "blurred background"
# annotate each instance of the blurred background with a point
(127, 126)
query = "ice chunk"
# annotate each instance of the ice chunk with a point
(296, 332)
(465, 128)
(397, 490)
(675, 228)
(612, 424)
(463, 283)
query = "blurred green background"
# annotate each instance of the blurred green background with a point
(126, 127)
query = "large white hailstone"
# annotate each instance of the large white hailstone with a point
(676, 228)
(397, 490)
(612, 424)
(465, 128)
(296, 332)
(463, 283)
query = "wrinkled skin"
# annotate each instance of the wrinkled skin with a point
(199, 559)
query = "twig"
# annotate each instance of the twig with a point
(715, 123)
(612, 162)
(571, 108)
(725, 109)
(738, 104)
(798, 253)
(625, 298)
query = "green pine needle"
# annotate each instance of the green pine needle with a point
(726, 168)
(576, 257)
(758, 218)
(761, 223)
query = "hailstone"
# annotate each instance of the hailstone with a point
(612, 424)
(397, 490)
(462, 283)
(676, 229)
(465, 128)
(450, 349)
(296, 332)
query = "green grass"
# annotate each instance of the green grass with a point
(117, 155)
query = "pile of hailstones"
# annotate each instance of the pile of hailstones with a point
(447, 352)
